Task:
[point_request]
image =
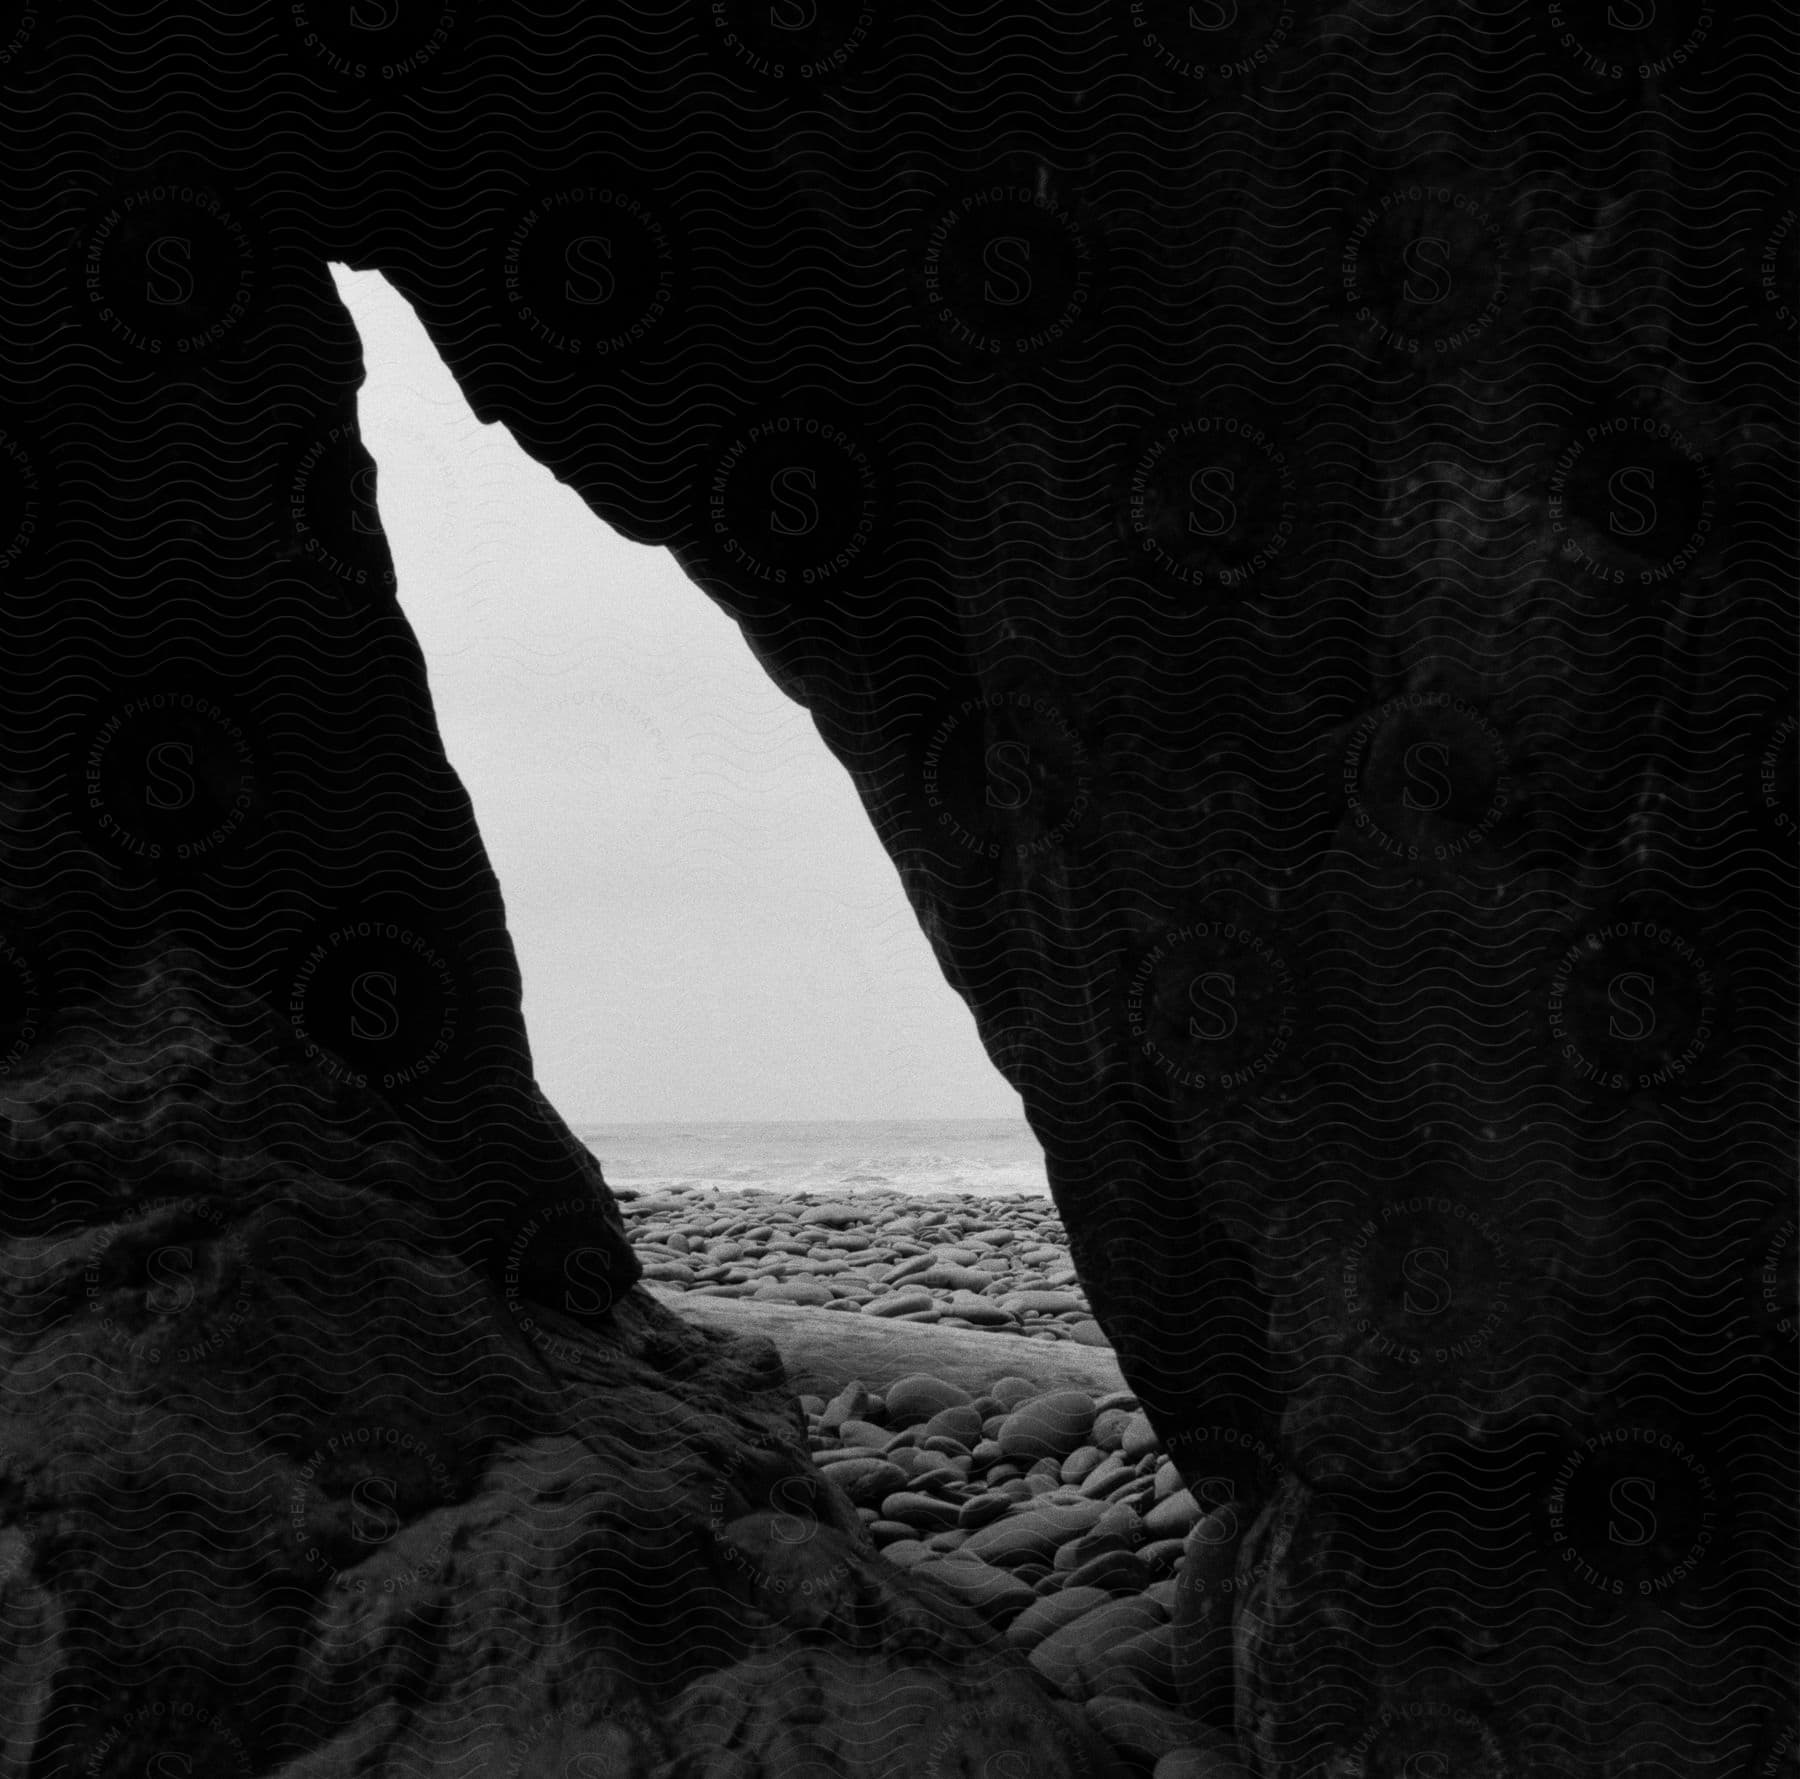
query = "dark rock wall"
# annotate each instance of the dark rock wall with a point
(287, 1490)
(1284, 514)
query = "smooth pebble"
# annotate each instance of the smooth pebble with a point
(1048, 1426)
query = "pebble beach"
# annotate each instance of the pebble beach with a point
(1056, 1514)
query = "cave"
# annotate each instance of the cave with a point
(1284, 515)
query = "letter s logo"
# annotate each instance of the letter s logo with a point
(168, 783)
(1220, 15)
(372, 1516)
(1637, 481)
(1428, 260)
(1008, 258)
(1429, 1765)
(1210, 491)
(798, 1524)
(1215, 1018)
(371, 993)
(380, 16)
(587, 1296)
(1009, 762)
(1641, 1013)
(1427, 765)
(1007, 1763)
(1429, 1270)
(794, 15)
(167, 260)
(365, 516)
(1627, 1493)
(590, 255)
(171, 1289)
(1217, 1501)
(797, 484)
(1634, 15)
(165, 1764)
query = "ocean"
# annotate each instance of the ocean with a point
(982, 1157)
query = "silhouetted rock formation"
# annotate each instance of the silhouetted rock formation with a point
(1286, 517)
(289, 1491)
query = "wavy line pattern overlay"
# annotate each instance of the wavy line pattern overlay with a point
(1285, 513)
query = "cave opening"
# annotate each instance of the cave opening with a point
(709, 932)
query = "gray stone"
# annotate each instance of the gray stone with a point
(834, 1216)
(953, 1449)
(1117, 1571)
(905, 1269)
(1139, 1437)
(1143, 1663)
(807, 1292)
(1164, 1592)
(1048, 1303)
(920, 1396)
(960, 1423)
(1105, 1476)
(864, 1433)
(849, 1404)
(945, 1278)
(1034, 1532)
(899, 1303)
(1010, 1391)
(1174, 1517)
(908, 1553)
(1081, 1463)
(983, 1510)
(1140, 1726)
(1051, 1612)
(992, 1591)
(867, 1481)
(977, 1312)
(1067, 1658)
(1124, 1399)
(1210, 1550)
(1121, 1521)
(1161, 1554)
(1048, 1426)
(917, 1509)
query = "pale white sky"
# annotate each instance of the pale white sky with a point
(706, 923)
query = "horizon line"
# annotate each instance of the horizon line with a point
(948, 1118)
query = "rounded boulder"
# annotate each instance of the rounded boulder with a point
(991, 1591)
(919, 1397)
(960, 1423)
(1049, 1426)
(1050, 1613)
(1009, 1392)
(1069, 1657)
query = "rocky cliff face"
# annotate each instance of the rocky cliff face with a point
(1285, 516)
(290, 1490)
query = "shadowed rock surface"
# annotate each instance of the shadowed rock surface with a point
(1286, 518)
(287, 1492)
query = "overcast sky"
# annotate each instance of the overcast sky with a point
(706, 923)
